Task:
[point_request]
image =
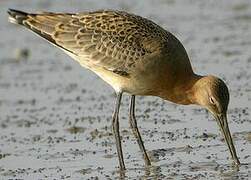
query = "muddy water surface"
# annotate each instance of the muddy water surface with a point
(55, 116)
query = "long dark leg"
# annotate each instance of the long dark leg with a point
(115, 128)
(133, 124)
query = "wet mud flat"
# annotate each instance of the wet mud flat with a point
(55, 116)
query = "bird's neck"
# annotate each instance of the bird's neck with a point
(184, 92)
(193, 88)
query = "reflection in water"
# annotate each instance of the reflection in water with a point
(150, 172)
(153, 172)
(179, 170)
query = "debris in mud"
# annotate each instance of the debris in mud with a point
(99, 134)
(4, 155)
(89, 170)
(205, 136)
(22, 54)
(76, 129)
(248, 136)
(85, 171)
(53, 131)
(172, 121)
(247, 156)
(155, 155)
(109, 156)
(241, 7)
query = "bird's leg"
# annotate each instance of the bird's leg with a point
(115, 128)
(135, 130)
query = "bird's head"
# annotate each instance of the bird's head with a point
(212, 93)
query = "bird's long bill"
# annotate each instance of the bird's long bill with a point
(222, 121)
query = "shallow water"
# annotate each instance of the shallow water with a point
(55, 116)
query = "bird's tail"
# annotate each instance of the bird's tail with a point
(17, 17)
(43, 24)
(24, 19)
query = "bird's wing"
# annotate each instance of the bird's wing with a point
(114, 40)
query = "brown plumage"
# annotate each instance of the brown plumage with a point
(134, 55)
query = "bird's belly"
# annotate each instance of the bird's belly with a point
(142, 82)
(130, 84)
(145, 86)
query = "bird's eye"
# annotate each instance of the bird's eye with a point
(212, 101)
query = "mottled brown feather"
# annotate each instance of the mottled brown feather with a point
(114, 40)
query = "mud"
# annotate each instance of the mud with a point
(55, 116)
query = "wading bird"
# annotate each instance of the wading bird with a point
(133, 55)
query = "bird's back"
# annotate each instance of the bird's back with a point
(117, 43)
